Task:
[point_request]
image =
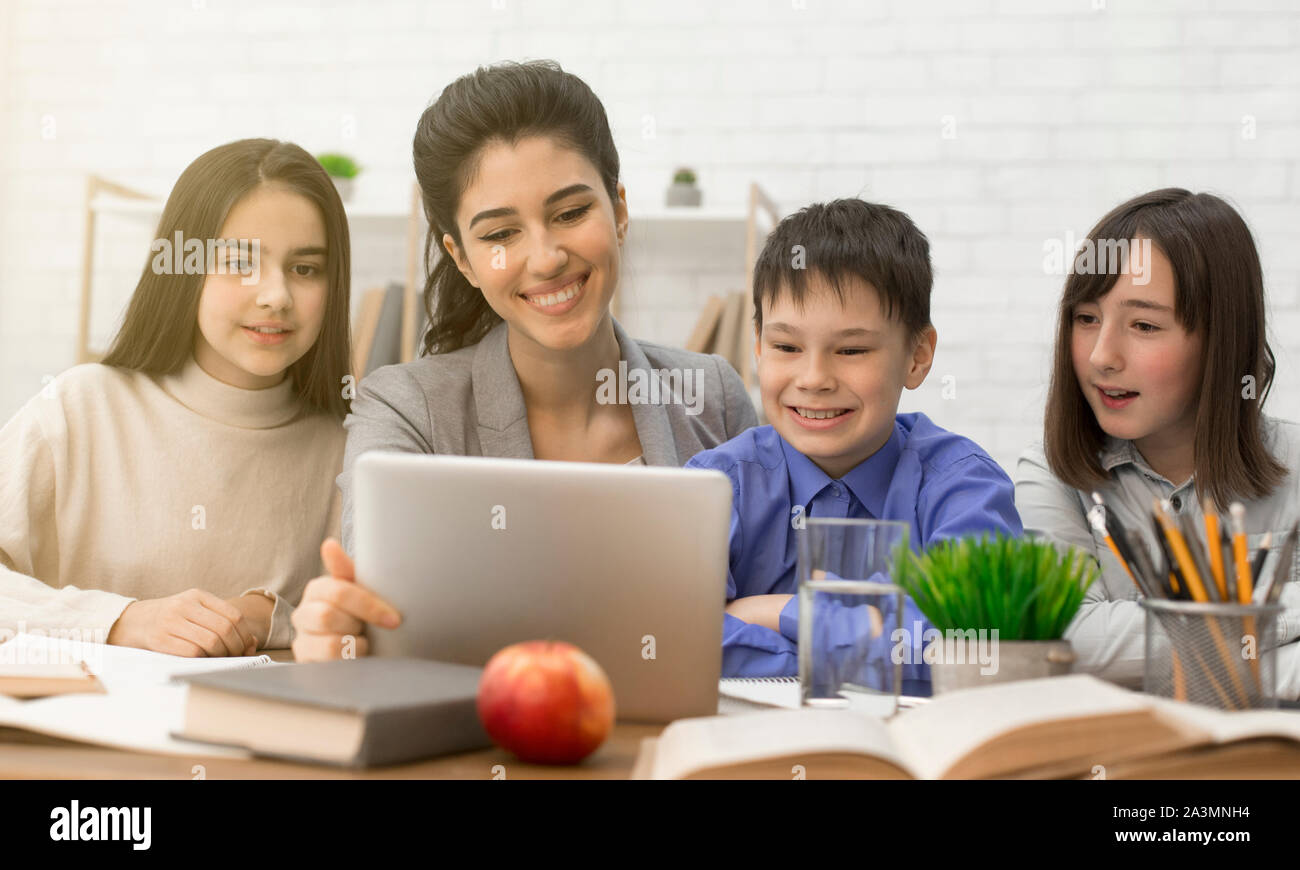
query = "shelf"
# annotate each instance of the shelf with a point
(692, 213)
(107, 204)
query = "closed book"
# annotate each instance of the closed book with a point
(354, 713)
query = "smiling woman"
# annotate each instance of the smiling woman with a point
(172, 496)
(527, 220)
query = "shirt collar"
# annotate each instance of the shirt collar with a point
(1117, 451)
(869, 480)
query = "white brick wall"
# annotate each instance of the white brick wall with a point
(1060, 111)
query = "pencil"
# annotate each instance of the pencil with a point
(1170, 576)
(1178, 545)
(1244, 586)
(1212, 544)
(1097, 517)
(1225, 544)
(1190, 529)
(1257, 567)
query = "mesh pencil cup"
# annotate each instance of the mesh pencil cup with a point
(1218, 655)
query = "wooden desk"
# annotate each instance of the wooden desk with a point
(25, 755)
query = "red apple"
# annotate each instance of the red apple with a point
(548, 702)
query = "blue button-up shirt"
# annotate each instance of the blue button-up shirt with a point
(941, 484)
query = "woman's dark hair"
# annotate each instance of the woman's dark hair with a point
(150, 340)
(503, 103)
(1219, 291)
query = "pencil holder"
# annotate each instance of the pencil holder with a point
(1218, 655)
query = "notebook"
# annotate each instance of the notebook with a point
(140, 705)
(746, 694)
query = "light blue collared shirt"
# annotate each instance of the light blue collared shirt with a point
(939, 483)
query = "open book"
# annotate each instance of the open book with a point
(1054, 727)
(140, 705)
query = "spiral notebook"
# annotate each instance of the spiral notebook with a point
(748, 694)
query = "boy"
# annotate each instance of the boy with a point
(842, 325)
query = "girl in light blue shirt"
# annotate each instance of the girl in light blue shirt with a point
(1160, 375)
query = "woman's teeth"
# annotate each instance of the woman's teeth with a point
(557, 298)
(269, 330)
(813, 414)
(1118, 394)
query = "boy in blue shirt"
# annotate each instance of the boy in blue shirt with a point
(842, 325)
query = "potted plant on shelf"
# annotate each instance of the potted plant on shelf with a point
(342, 169)
(1001, 605)
(683, 190)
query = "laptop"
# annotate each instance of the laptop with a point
(628, 563)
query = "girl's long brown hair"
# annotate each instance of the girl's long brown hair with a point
(158, 330)
(502, 103)
(1220, 290)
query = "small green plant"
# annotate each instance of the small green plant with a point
(339, 165)
(684, 176)
(1025, 588)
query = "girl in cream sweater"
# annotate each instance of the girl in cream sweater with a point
(174, 496)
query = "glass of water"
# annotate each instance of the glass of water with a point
(849, 608)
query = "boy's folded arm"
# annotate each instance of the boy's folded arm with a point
(754, 651)
(845, 628)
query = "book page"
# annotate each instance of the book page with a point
(688, 745)
(935, 737)
(1224, 727)
(118, 667)
(140, 718)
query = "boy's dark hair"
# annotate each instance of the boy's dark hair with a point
(849, 237)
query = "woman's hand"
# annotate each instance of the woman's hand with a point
(190, 623)
(331, 619)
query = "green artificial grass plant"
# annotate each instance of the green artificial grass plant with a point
(1027, 589)
(339, 165)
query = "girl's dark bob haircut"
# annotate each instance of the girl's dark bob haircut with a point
(1220, 292)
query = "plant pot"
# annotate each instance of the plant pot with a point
(962, 663)
(680, 193)
(344, 186)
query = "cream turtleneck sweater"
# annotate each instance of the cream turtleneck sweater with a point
(116, 485)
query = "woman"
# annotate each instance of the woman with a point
(519, 175)
(171, 497)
